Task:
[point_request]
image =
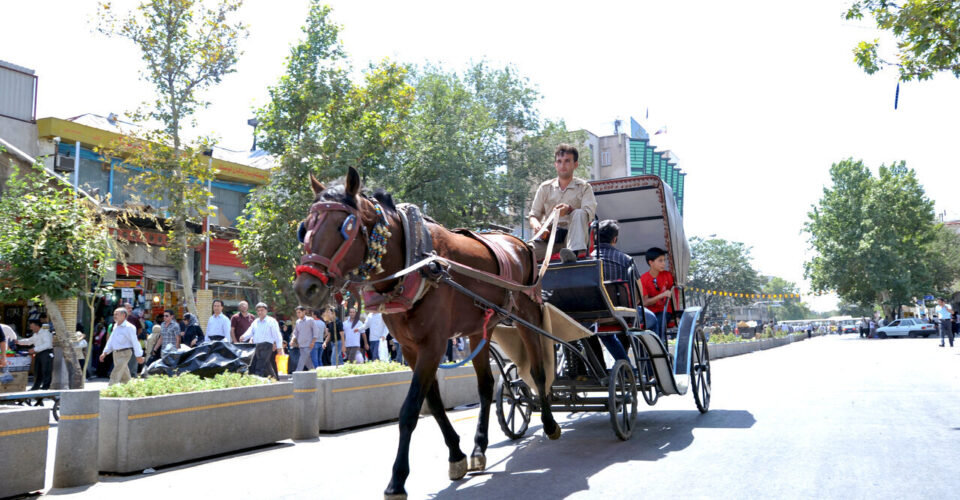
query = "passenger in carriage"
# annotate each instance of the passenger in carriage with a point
(656, 287)
(574, 197)
(617, 266)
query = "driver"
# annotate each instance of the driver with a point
(574, 197)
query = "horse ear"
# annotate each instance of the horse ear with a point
(353, 181)
(315, 185)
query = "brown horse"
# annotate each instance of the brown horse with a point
(334, 253)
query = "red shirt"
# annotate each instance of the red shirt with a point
(240, 324)
(655, 286)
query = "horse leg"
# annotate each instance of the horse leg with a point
(458, 461)
(424, 375)
(531, 341)
(481, 364)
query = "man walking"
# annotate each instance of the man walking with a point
(574, 197)
(378, 331)
(945, 312)
(265, 333)
(218, 326)
(42, 342)
(169, 332)
(240, 322)
(122, 343)
(306, 333)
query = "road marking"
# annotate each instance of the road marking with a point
(206, 407)
(360, 388)
(25, 430)
(461, 376)
(303, 390)
(465, 418)
(85, 416)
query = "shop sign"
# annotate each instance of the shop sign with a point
(127, 284)
(126, 294)
(140, 236)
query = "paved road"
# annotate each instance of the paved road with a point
(832, 417)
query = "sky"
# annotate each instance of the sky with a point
(759, 98)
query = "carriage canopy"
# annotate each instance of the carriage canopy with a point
(647, 212)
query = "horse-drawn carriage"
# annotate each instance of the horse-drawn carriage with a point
(581, 305)
(434, 284)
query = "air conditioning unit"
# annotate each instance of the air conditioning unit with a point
(62, 163)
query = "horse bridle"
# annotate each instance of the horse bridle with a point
(349, 230)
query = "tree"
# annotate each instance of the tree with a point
(875, 238)
(927, 33)
(51, 243)
(718, 264)
(187, 49)
(317, 121)
(790, 307)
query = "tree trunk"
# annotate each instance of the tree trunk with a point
(186, 269)
(63, 340)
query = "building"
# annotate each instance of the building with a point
(66, 146)
(622, 155)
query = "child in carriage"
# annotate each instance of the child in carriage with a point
(656, 287)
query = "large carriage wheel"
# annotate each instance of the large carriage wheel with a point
(649, 390)
(513, 402)
(622, 401)
(700, 372)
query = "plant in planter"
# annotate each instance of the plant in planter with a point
(351, 369)
(162, 385)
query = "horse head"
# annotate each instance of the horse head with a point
(335, 240)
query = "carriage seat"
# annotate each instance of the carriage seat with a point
(578, 289)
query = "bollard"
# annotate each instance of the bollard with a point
(23, 449)
(307, 405)
(78, 438)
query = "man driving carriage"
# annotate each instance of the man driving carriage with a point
(574, 197)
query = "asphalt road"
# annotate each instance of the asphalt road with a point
(831, 417)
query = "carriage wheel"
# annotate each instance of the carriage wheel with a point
(513, 403)
(700, 373)
(622, 402)
(648, 389)
(55, 411)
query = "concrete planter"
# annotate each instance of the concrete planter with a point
(458, 386)
(718, 351)
(139, 433)
(23, 449)
(361, 399)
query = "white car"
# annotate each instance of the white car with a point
(907, 327)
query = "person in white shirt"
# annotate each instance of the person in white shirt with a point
(122, 343)
(378, 331)
(353, 329)
(42, 342)
(265, 333)
(218, 326)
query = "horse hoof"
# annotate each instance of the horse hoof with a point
(478, 463)
(555, 435)
(458, 469)
(394, 496)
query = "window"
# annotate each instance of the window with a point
(605, 158)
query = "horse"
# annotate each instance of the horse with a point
(335, 259)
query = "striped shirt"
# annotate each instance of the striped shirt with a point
(617, 266)
(168, 334)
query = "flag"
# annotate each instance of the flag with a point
(663, 130)
(648, 114)
(896, 96)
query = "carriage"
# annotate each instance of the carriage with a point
(580, 306)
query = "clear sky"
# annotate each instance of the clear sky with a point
(758, 97)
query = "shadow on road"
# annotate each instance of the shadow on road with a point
(560, 468)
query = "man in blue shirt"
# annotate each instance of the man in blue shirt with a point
(617, 266)
(945, 312)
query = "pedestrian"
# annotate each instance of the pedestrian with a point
(333, 342)
(42, 351)
(169, 334)
(316, 354)
(122, 343)
(945, 312)
(306, 335)
(378, 331)
(152, 340)
(264, 332)
(353, 337)
(218, 326)
(193, 335)
(240, 322)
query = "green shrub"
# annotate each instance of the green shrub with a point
(351, 369)
(162, 385)
(725, 338)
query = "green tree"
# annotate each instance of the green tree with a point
(790, 307)
(317, 121)
(927, 33)
(875, 238)
(718, 264)
(52, 243)
(187, 48)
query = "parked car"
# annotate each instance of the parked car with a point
(849, 326)
(907, 327)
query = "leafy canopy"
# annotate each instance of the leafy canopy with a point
(927, 33)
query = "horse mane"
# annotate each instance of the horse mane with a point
(338, 194)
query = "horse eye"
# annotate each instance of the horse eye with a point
(302, 232)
